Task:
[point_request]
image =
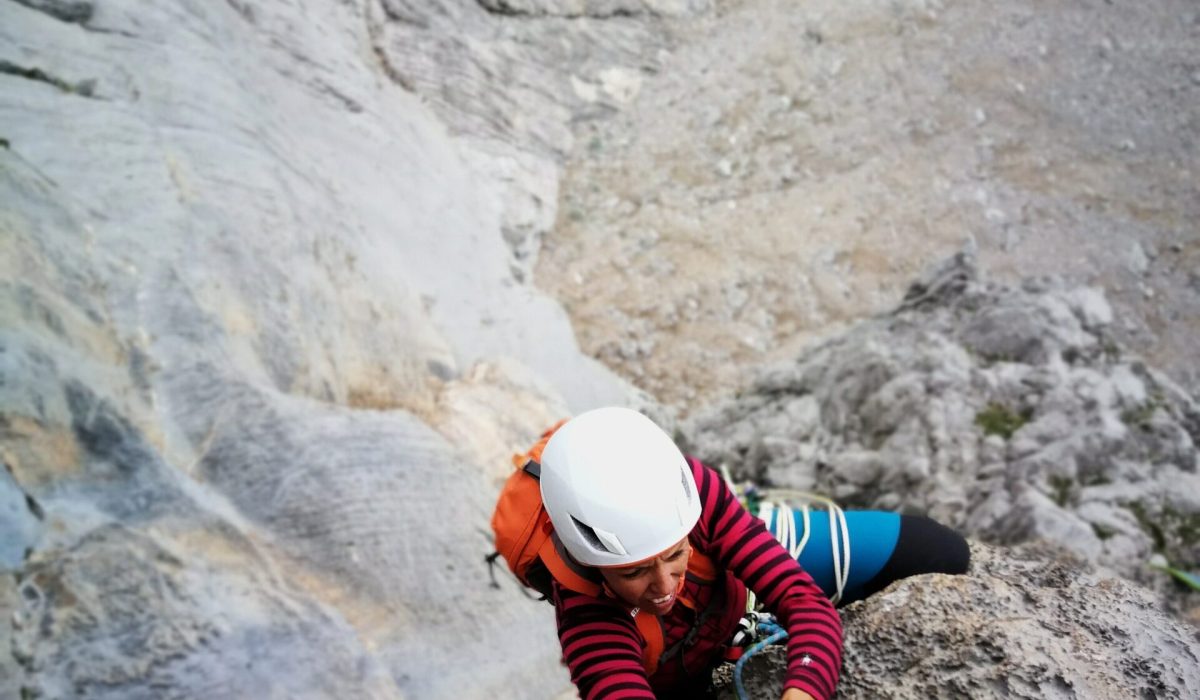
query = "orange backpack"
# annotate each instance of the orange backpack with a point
(524, 538)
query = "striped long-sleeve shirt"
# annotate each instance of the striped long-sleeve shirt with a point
(603, 648)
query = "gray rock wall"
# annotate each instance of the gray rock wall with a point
(267, 336)
(1025, 622)
(792, 166)
(246, 269)
(1009, 413)
(267, 157)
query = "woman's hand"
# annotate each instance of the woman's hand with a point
(795, 694)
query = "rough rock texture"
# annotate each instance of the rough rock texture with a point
(593, 8)
(263, 150)
(119, 615)
(254, 292)
(267, 334)
(509, 78)
(1025, 622)
(792, 166)
(1007, 413)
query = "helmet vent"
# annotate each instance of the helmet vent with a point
(588, 534)
(687, 488)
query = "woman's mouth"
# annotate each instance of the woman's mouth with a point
(663, 602)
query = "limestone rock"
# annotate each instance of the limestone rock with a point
(129, 615)
(20, 521)
(310, 195)
(494, 411)
(557, 61)
(818, 154)
(10, 670)
(1026, 622)
(78, 11)
(266, 310)
(1009, 413)
(593, 8)
(237, 282)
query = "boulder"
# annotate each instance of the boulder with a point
(1007, 412)
(1025, 622)
(258, 299)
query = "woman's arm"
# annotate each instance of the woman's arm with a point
(601, 647)
(740, 542)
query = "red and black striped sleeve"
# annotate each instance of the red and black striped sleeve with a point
(601, 646)
(740, 542)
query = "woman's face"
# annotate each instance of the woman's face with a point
(652, 584)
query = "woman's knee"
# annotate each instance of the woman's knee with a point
(924, 546)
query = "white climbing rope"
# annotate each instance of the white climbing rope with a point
(775, 503)
(774, 506)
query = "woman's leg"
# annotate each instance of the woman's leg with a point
(884, 547)
(924, 546)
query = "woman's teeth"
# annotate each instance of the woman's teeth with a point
(662, 600)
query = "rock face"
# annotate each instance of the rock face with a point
(1023, 623)
(791, 167)
(257, 296)
(119, 615)
(1008, 413)
(268, 335)
(509, 77)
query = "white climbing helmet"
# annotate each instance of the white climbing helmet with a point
(616, 487)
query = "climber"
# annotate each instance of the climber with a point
(651, 555)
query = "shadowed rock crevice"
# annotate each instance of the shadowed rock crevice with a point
(84, 88)
(71, 11)
(22, 520)
(107, 436)
(34, 507)
(943, 285)
(535, 9)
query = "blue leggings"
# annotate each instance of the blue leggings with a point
(884, 547)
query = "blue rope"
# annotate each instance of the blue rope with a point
(769, 626)
(777, 633)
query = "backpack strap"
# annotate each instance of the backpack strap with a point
(651, 629)
(554, 557)
(535, 452)
(562, 569)
(702, 569)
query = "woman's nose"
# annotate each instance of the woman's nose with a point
(662, 581)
